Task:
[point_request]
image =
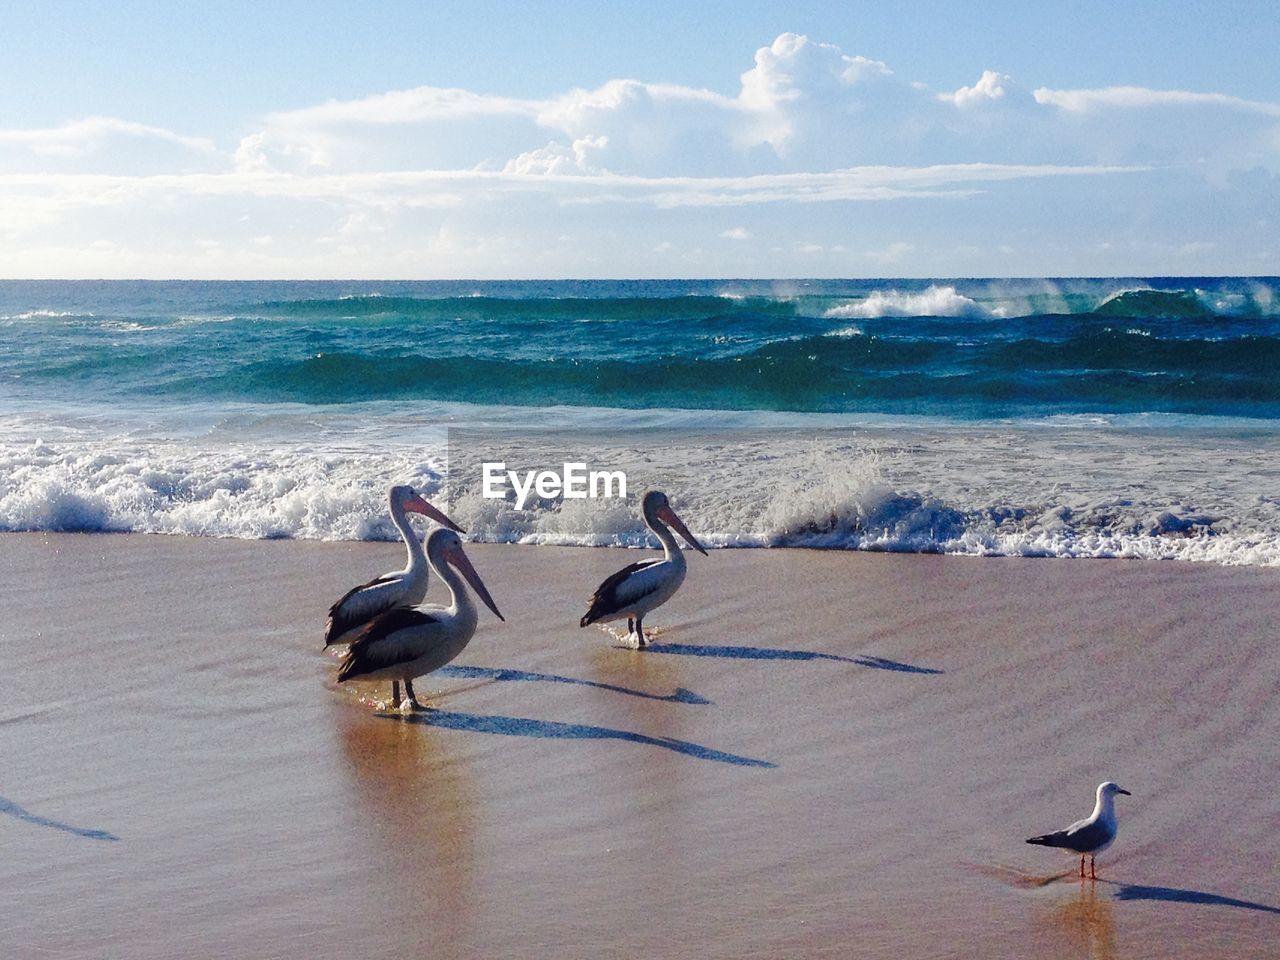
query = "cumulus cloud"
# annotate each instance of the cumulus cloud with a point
(556, 158)
(990, 86)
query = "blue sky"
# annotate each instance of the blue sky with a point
(589, 140)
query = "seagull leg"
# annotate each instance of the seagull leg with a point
(395, 704)
(408, 689)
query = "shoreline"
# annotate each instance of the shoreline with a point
(393, 543)
(826, 752)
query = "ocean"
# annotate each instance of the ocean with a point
(1130, 417)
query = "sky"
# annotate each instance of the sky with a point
(485, 140)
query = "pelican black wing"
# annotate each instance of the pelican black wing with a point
(348, 613)
(366, 654)
(606, 600)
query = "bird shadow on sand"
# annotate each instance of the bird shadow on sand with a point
(1123, 891)
(554, 730)
(25, 815)
(681, 695)
(776, 653)
(1135, 891)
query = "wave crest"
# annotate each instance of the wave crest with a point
(936, 301)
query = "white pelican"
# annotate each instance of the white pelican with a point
(1091, 835)
(400, 588)
(640, 587)
(407, 642)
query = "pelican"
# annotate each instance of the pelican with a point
(407, 642)
(1091, 835)
(640, 587)
(400, 588)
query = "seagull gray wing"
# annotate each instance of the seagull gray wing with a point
(1082, 837)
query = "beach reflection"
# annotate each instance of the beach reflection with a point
(416, 804)
(1086, 922)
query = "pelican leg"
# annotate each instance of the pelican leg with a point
(640, 640)
(395, 704)
(408, 689)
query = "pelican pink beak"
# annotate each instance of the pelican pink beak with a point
(416, 504)
(459, 560)
(667, 515)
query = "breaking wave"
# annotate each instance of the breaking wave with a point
(933, 302)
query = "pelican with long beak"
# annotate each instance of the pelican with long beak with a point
(409, 642)
(1093, 834)
(400, 588)
(640, 587)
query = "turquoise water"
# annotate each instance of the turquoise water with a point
(956, 349)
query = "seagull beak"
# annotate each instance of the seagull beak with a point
(459, 560)
(416, 504)
(669, 516)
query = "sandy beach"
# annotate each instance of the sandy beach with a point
(825, 754)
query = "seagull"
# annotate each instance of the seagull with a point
(408, 642)
(1093, 834)
(400, 588)
(640, 587)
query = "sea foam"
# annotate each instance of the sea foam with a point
(991, 491)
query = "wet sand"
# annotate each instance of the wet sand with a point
(825, 755)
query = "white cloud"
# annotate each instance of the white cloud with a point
(79, 137)
(990, 86)
(794, 68)
(418, 105)
(106, 144)
(555, 158)
(251, 155)
(1139, 98)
